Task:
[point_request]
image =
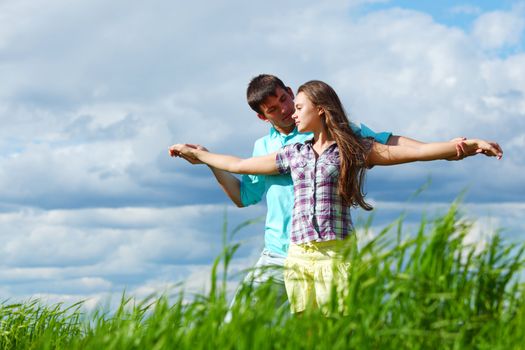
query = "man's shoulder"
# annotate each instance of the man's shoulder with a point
(272, 143)
(262, 140)
(266, 144)
(262, 145)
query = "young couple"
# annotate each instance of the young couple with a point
(311, 167)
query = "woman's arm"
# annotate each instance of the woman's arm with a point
(391, 155)
(264, 165)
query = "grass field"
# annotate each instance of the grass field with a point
(428, 290)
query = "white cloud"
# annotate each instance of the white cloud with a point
(97, 253)
(497, 29)
(465, 9)
(89, 252)
(106, 142)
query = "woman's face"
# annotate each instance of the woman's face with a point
(307, 115)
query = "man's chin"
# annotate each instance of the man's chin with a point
(288, 122)
(288, 125)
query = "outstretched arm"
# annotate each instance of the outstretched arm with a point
(398, 140)
(264, 165)
(391, 155)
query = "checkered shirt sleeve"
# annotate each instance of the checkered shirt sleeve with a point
(283, 158)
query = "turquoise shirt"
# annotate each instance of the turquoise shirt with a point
(279, 188)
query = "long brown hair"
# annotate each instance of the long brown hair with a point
(352, 149)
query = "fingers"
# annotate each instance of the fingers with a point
(190, 159)
(497, 147)
(472, 147)
(461, 149)
(174, 150)
(184, 151)
(490, 149)
(197, 146)
(458, 139)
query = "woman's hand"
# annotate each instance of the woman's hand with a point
(187, 152)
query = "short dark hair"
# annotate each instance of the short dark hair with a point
(260, 88)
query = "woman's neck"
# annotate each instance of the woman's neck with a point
(322, 140)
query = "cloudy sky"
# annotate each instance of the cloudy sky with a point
(92, 93)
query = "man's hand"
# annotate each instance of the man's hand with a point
(186, 151)
(488, 148)
(175, 151)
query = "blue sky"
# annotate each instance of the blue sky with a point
(450, 12)
(93, 93)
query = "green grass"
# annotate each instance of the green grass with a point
(421, 291)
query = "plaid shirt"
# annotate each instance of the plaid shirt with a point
(318, 212)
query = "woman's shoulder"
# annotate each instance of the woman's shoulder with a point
(295, 147)
(293, 151)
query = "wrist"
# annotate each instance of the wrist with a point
(471, 142)
(471, 146)
(195, 153)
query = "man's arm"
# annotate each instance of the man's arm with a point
(229, 184)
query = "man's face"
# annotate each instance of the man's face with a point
(278, 110)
